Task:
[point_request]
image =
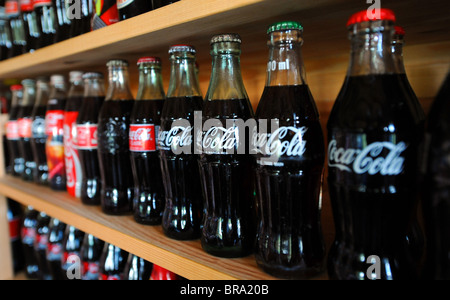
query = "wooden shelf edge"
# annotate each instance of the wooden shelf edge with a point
(185, 258)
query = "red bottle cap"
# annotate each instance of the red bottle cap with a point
(16, 87)
(399, 30)
(149, 59)
(369, 15)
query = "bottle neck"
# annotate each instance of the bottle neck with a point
(119, 87)
(397, 50)
(76, 89)
(58, 91)
(371, 49)
(42, 94)
(150, 83)
(16, 98)
(285, 66)
(226, 79)
(94, 87)
(29, 95)
(183, 79)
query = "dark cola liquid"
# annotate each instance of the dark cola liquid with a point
(373, 133)
(63, 21)
(289, 180)
(38, 139)
(41, 245)
(16, 160)
(228, 226)
(46, 22)
(183, 209)
(112, 263)
(436, 200)
(79, 26)
(25, 149)
(114, 156)
(149, 196)
(90, 170)
(28, 239)
(135, 8)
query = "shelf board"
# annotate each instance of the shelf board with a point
(195, 21)
(185, 258)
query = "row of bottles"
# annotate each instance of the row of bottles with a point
(48, 249)
(28, 25)
(197, 167)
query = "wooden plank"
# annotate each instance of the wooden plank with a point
(185, 258)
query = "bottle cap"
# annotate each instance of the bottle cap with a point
(28, 82)
(149, 59)
(228, 37)
(75, 76)
(16, 87)
(92, 75)
(57, 79)
(282, 26)
(117, 63)
(399, 30)
(369, 15)
(182, 48)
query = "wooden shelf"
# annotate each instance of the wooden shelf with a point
(185, 258)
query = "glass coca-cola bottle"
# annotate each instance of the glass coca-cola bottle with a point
(145, 120)
(131, 8)
(24, 118)
(19, 43)
(46, 21)
(112, 263)
(29, 20)
(113, 144)
(56, 234)
(73, 240)
(87, 141)
(374, 132)
(28, 235)
(184, 205)
(5, 34)
(12, 131)
(41, 245)
(290, 155)
(82, 23)
(137, 268)
(91, 252)
(225, 162)
(15, 218)
(63, 20)
(38, 134)
(54, 129)
(72, 159)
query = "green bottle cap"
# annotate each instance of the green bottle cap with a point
(287, 25)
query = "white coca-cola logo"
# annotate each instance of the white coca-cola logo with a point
(141, 134)
(177, 136)
(369, 159)
(278, 144)
(220, 140)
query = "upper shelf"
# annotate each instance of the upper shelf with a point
(195, 21)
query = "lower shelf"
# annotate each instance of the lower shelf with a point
(185, 258)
